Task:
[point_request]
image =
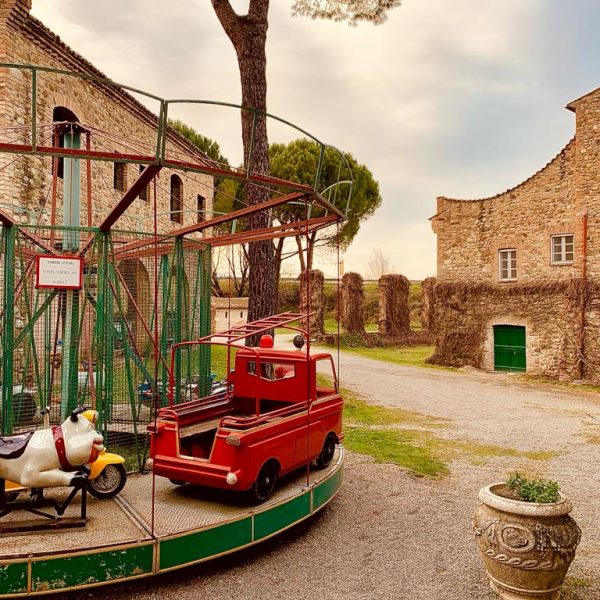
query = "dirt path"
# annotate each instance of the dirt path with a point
(391, 535)
(500, 410)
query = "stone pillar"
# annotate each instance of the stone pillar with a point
(352, 309)
(313, 302)
(428, 304)
(394, 313)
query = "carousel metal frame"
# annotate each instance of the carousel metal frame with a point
(152, 552)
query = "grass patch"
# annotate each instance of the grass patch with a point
(359, 411)
(592, 438)
(330, 325)
(473, 450)
(573, 587)
(414, 356)
(575, 387)
(395, 447)
(408, 439)
(218, 358)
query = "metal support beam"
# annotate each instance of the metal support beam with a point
(238, 214)
(8, 331)
(131, 194)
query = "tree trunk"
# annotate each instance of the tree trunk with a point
(248, 34)
(278, 260)
(301, 254)
(310, 251)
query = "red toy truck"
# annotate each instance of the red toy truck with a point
(272, 418)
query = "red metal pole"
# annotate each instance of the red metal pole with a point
(88, 167)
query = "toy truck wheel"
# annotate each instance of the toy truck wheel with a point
(326, 455)
(265, 483)
(109, 483)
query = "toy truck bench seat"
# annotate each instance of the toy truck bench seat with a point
(272, 420)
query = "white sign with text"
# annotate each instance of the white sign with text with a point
(59, 272)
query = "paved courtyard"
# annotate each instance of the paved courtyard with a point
(392, 535)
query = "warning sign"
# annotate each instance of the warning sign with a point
(59, 272)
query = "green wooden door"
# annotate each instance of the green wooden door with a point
(509, 348)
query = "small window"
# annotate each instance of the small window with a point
(201, 202)
(144, 193)
(241, 314)
(119, 182)
(562, 249)
(326, 377)
(225, 314)
(272, 371)
(176, 199)
(507, 260)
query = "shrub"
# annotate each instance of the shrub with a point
(545, 491)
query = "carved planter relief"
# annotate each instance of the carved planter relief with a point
(527, 548)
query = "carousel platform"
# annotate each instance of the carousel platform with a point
(126, 539)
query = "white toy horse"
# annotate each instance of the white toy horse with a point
(52, 457)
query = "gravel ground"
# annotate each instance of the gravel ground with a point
(391, 535)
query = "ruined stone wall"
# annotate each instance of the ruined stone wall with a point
(26, 184)
(428, 304)
(394, 313)
(352, 304)
(312, 300)
(471, 232)
(466, 314)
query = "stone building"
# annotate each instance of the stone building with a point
(228, 312)
(518, 273)
(115, 120)
(87, 112)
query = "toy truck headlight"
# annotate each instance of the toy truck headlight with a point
(231, 478)
(233, 440)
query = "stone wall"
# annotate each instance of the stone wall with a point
(562, 198)
(465, 316)
(428, 304)
(352, 304)
(394, 313)
(471, 232)
(313, 300)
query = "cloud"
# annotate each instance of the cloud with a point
(461, 98)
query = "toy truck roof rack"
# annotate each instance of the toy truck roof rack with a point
(241, 332)
(231, 336)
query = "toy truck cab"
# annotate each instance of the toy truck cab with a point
(275, 417)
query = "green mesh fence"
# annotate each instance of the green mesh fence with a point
(106, 345)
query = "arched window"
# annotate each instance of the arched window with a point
(176, 199)
(63, 119)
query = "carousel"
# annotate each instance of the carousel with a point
(138, 438)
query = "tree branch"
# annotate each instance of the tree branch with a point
(259, 9)
(230, 20)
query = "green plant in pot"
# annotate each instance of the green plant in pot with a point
(526, 537)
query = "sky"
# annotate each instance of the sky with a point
(457, 98)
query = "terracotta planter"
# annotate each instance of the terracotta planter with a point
(527, 547)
